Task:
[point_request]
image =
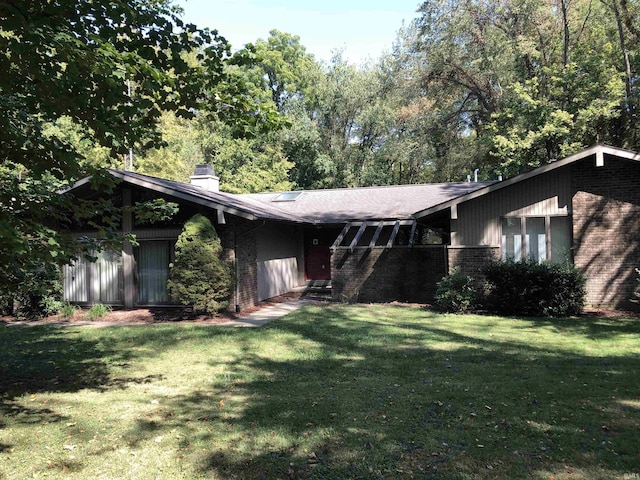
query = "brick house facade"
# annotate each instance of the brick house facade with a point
(381, 244)
(606, 229)
(587, 205)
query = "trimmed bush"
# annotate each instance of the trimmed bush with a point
(456, 292)
(199, 276)
(534, 289)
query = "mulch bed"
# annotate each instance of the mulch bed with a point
(141, 316)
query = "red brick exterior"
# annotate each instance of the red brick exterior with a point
(385, 275)
(606, 229)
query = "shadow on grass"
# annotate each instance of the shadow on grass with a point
(390, 394)
(395, 399)
(50, 359)
(592, 328)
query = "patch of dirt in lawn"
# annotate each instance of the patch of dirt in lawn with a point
(142, 316)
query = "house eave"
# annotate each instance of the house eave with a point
(184, 196)
(596, 150)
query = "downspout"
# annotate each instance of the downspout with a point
(235, 260)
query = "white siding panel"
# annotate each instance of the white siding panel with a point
(276, 277)
(110, 278)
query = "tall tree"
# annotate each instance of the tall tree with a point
(72, 59)
(517, 83)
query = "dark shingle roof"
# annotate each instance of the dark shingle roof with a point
(228, 202)
(312, 206)
(369, 203)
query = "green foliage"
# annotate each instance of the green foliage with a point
(535, 289)
(507, 86)
(252, 166)
(67, 110)
(98, 310)
(456, 292)
(35, 290)
(67, 310)
(183, 150)
(100, 47)
(636, 292)
(156, 210)
(199, 276)
(244, 165)
(281, 68)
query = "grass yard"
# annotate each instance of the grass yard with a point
(338, 392)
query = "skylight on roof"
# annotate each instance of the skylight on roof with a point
(287, 197)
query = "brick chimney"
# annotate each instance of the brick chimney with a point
(205, 177)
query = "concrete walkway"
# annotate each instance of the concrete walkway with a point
(267, 314)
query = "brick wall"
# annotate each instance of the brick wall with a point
(240, 249)
(606, 229)
(471, 260)
(385, 275)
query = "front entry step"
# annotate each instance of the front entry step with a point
(318, 289)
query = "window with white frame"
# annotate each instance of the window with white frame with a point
(544, 239)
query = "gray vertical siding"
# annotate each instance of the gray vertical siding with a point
(478, 220)
(75, 282)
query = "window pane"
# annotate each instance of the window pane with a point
(536, 239)
(511, 238)
(153, 266)
(560, 239)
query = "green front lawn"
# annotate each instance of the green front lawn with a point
(338, 392)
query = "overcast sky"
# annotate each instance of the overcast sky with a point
(364, 29)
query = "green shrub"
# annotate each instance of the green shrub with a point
(67, 310)
(35, 291)
(636, 292)
(456, 292)
(98, 311)
(199, 276)
(534, 289)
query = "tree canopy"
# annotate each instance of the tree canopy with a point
(65, 94)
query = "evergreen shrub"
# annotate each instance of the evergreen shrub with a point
(199, 276)
(456, 292)
(534, 289)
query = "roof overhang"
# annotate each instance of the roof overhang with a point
(598, 150)
(140, 182)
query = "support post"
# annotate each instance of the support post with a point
(128, 262)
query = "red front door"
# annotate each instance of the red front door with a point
(318, 262)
